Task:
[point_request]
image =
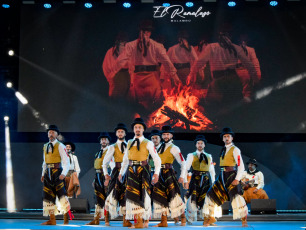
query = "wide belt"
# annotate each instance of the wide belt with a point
(54, 166)
(221, 73)
(166, 166)
(228, 168)
(118, 164)
(199, 173)
(145, 68)
(99, 170)
(123, 70)
(181, 65)
(134, 163)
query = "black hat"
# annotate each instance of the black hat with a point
(121, 126)
(106, 135)
(140, 121)
(167, 129)
(200, 138)
(227, 130)
(54, 128)
(146, 25)
(155, 132)
(71, 144)
(252, 161)
(122, 37)
(183, 34)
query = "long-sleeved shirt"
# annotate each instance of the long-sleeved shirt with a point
(238, 159)
(150, 147)
(222, 59)
(64, 158)
(211, 166)
(109, 157)
(258, 178)
(156, 53)
(74, 163)
(253, 58)
(176, 152)
(178, 54)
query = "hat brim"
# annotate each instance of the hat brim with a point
(231, 133)
(71, 144)
(139, 123)
(104, 136)
(56, 130)
(125, 129)
(200, 139)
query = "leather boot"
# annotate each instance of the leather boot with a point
(146, 223)
(66, 218)
(139, 222)
(107, 218)
(183, 220)
(209, 221)
(96, 220)
(176, 221)
(244, 222)
(126, 223)
(51, 221)
(163, 222)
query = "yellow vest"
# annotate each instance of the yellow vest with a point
(203, 167)
(118, 155)
(229, 159)
(52, 158)
(134, 154)
(99, 161)
(167, 157)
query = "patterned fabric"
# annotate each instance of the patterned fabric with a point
(138, 182)
(100, 191)
(117, 187)
(199, 185)
(221, 192)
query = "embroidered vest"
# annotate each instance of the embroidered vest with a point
(134, 154)
(52, 158)
(203, 167)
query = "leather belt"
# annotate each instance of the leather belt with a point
(145, 68)
(166, 166)
(124, 70)
(228, 168)
(99, 171)
(221, 73)
(181, 65)
(142, 163)
(54, 166)
(118, 164)
(199, 173)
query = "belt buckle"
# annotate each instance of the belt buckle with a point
(50, 166)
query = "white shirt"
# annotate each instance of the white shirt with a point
(176, 152)
(64, 158)
(74, 165)
(211, 166)
(178, 54)
(258, 178)
(238, 159)
(109, 157)
(152, 152)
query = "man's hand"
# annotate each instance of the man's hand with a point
(61, 177)
(120, 178)
(107, 179)
(42, 179)
(181, 180)
(176, 80)
(255, 190)
(154, 179)
(235, 182)
(186, 185)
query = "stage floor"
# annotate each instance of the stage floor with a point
(80, 224)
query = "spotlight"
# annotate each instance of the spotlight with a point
(6, 6)
(231, 3)
(11, 52)
(6, 118)
(189, 4)
(127, 5)
(47, 5)
(166, 4)
(21, 98)
(9, 84)
(273, 3)
(88, 5)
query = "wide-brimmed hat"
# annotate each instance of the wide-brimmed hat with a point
(71, 144)
(140, 121)
(200, 138)
(105, 135)
(155, 132)
(121, 126)
(227, 130)
(54, 128)
(146, 25)
(167, 129)
(252, 161)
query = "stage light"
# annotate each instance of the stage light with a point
(127, 5)
(21, 98)
(47, 5)
(189, 4)
(88, 5)
(6, 118)
(166, 4)
(11, 52)
(9, 84)
(273, 3)
(6, 6)
(231, 3)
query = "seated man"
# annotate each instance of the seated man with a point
(253, 183)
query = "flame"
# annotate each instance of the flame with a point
(181, 109)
